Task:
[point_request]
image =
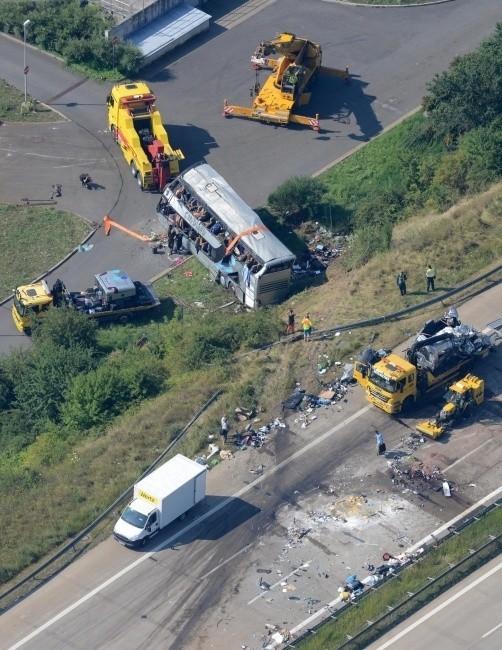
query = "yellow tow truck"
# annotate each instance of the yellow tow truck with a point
(136, 125)
(114, 297)
(286, 88)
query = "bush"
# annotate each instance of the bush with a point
(297, 199)
(469, 93)
(79, 36)
(123, 380)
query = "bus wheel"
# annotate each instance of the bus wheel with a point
(134, 171)
(123, 319)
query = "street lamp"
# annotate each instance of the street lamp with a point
(26, 24)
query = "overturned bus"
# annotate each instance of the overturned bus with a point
(227, 236)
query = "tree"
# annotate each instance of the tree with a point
(297, 198)
(66, 328)
(469, 93)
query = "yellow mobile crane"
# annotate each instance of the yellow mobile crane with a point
(299, 61)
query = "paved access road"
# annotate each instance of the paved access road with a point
(466, 616)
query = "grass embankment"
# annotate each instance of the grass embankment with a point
(72, 478)
(13, 109)
(33, 240)
(394, 592)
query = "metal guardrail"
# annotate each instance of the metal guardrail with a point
(80, 536)
(414, 601)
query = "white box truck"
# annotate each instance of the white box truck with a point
(160, 498)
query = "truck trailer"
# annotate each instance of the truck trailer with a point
(114, 297)
(440, 353)
(160, 498)
(136, 125)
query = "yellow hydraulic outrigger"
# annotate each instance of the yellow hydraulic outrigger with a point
(299, 61)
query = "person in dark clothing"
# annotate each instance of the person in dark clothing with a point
(291, 322)
(401, 283)
(179, 242)
(171, 238)
(430, 276)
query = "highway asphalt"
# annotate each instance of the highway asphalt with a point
(466, 616)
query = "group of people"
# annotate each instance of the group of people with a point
(211, 223)
(306, 325)
(430, 276)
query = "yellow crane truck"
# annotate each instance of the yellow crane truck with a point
(136, 125)
(286, 87)
(442, 349)
(114, 297)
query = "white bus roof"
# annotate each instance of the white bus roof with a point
(236, 215)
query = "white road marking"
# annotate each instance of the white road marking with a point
(437, 609)
(229, 559)
(185, 530)
(473, 451)
(492, 630)
(276, 584)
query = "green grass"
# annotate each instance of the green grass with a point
(12, 110)
(190, 285)
(33, 240)
(333, 634)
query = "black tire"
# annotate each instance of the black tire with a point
(407, 404)
(123, 319)
(139, 181)
(134, 171)
(113, 131)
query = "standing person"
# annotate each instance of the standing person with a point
(381, 447)
(401, 282)
(307, 327)
(430, 276)
(224, 427)
(171, 239)
(291, 322)
(179, 242)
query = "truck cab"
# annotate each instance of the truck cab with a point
(31, 302)
(137, 523)
(136, 126)
(390, 383)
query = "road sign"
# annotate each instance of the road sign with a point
(26, 69)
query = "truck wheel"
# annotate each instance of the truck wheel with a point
(113, 131)
(407, 404)
(134, 171)
(123, 319)
(140, 181)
